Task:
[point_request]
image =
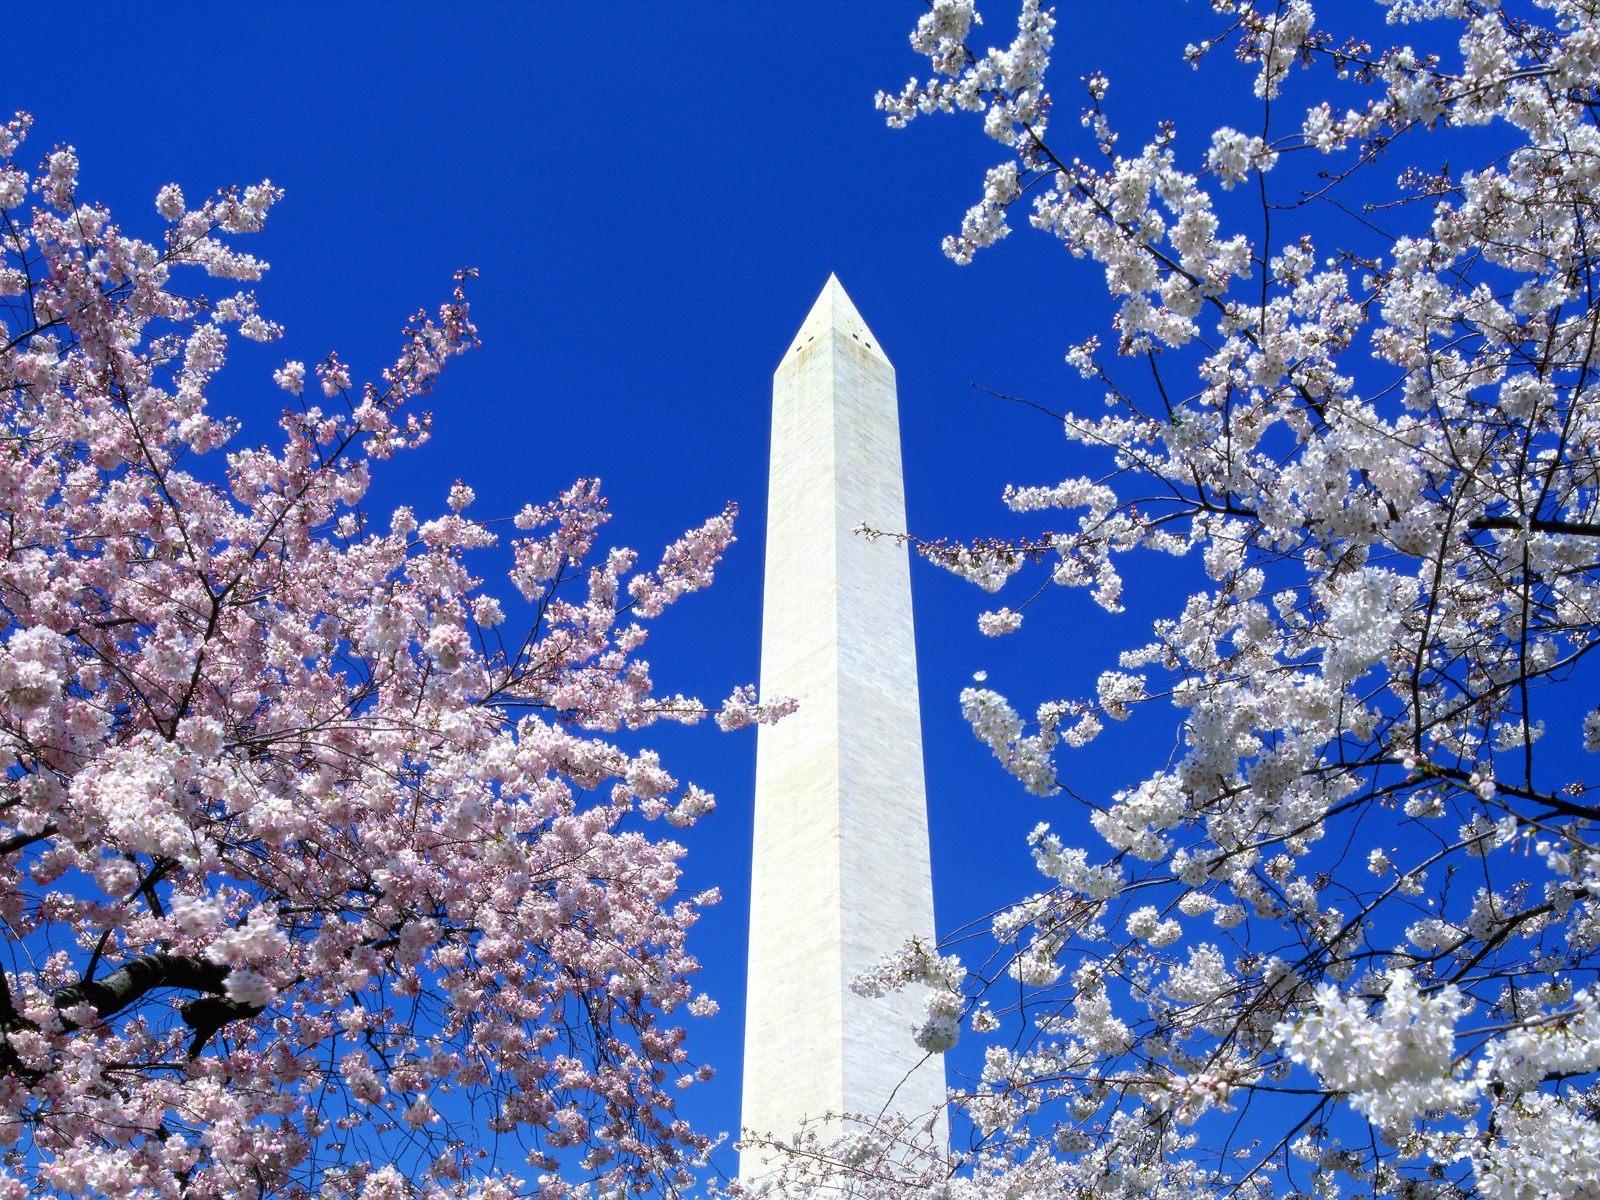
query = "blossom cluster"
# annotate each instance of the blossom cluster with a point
(316, 880)
(1343, 942)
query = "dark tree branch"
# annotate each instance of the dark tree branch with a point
(210, 1013)
(133, 981)
(1537, 525)
(21, 840)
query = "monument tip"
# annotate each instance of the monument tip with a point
(834, 312)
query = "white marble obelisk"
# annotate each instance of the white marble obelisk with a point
(841, 872)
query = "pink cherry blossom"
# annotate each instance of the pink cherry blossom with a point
(317, 880)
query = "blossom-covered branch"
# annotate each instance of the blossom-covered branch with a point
(314, 881)
(1344, 942)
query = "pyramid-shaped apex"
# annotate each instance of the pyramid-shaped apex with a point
(834, 312)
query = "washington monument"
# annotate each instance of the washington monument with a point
(841, 873)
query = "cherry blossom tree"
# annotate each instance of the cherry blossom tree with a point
(314, 880)
(1344, 941)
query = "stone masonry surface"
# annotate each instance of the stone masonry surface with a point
(841, 871)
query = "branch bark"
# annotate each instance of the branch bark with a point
(134, 980)
(1537, 525)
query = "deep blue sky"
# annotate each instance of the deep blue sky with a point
(654, 194)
